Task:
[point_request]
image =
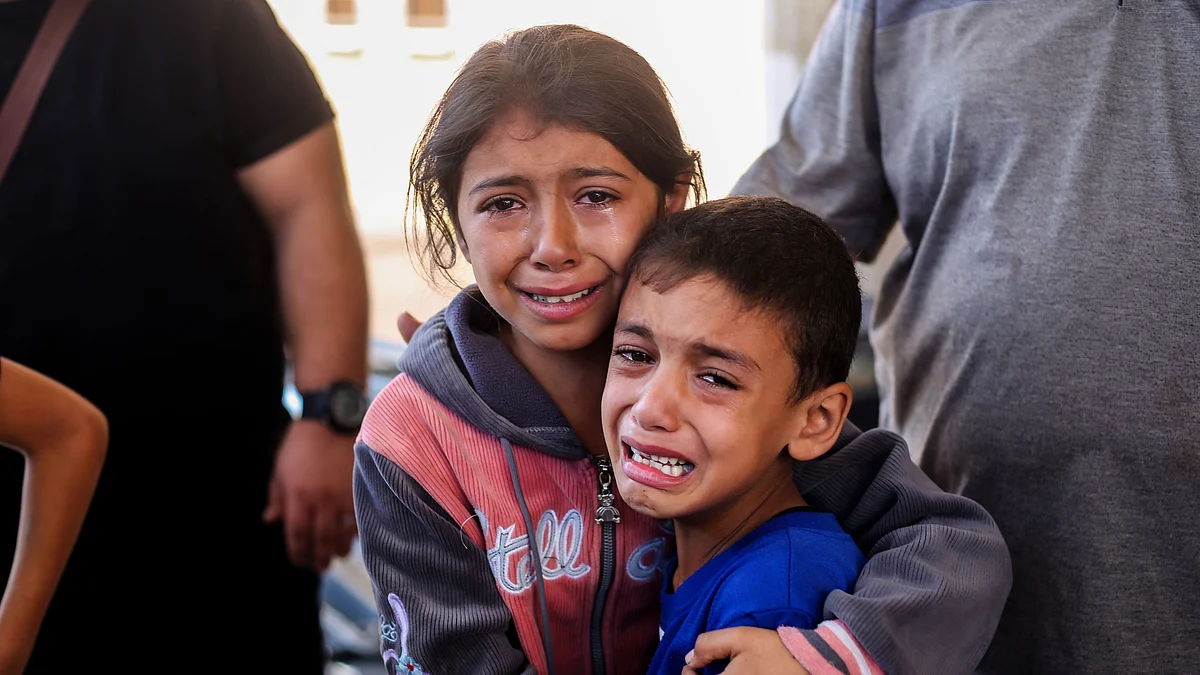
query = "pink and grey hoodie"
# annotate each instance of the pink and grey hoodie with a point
(463, 455)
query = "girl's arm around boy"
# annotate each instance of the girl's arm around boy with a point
(936, 579)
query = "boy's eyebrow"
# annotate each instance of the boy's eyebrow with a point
(499, 181)
(731, 355)
(598, 172)
(635, 329)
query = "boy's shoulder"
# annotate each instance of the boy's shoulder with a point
(793, 545)
(783, 571)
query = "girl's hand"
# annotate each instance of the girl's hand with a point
(751, 651)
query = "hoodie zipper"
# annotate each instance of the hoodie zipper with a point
(607, 517)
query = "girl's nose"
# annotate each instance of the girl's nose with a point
(555, 245)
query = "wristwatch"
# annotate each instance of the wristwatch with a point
(341, 406)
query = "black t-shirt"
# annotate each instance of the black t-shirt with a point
(132, 266)
(135, 270)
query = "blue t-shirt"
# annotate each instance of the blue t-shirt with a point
(778, 575)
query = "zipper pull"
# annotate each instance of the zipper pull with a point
(607, 513)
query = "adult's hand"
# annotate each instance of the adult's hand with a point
(751, 651)
(312, 493)
(408, 324)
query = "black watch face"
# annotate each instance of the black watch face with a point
(347, 407)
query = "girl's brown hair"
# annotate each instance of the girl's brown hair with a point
(561, 74)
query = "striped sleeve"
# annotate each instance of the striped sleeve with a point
(830, 649)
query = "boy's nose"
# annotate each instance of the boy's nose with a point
(554, 239)
(657, 404)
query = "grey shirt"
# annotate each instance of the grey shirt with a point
(1037, 337)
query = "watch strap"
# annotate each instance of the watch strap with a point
(318, 404)
(314, 405)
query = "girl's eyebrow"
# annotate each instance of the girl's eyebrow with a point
(522, 181)
(500, 181)
(598, 172)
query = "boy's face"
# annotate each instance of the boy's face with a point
(696, 408)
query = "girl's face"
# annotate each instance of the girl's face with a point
(548, 217)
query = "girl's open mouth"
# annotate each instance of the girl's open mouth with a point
(559, 308)
(558, 299)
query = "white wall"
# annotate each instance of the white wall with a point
(790, 30)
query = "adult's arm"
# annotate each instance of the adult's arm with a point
(64, 439)
(828, 156)
(301, 192)
(928, 599)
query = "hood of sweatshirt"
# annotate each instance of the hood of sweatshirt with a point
(457, 357)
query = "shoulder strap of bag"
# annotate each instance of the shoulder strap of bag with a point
(31, 79)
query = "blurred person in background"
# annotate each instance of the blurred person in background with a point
(175, 217)
(1037, 335)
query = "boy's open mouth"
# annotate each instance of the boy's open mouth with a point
(671, 466)
(556, 299)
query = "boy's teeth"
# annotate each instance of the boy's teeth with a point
(553, 299)
(672, 466)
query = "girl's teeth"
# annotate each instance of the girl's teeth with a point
(672, 466)
(554, 299)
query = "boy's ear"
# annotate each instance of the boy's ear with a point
(820, 418)
(676, 199)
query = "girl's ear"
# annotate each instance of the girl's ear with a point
(676, 199)
(820, 418)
